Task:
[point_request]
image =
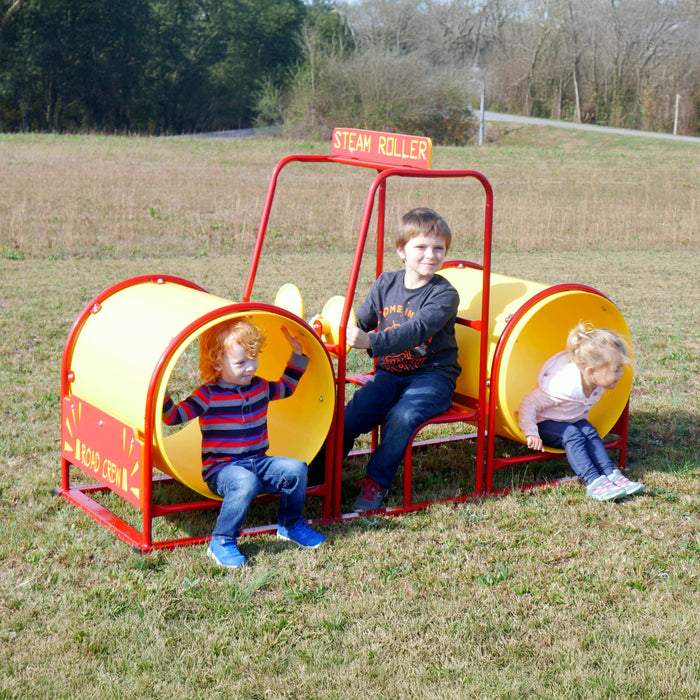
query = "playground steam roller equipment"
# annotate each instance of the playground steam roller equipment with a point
(123, 348)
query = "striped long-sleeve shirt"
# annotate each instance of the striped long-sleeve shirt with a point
(233, 418)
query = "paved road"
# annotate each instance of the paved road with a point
(234, 133)
(498, 117)
(488, 116)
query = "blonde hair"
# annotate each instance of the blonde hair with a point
(596, 347)
(216, 340)
(422, 221)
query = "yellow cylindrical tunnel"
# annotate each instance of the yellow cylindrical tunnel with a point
(533, 322)
(120, 344)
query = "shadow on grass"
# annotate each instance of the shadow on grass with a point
(665, 442)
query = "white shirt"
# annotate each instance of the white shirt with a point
(559, 396)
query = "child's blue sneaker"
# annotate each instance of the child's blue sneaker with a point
(224, 551)
(301, 534)
(630, 487)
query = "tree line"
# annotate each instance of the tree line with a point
(154, 66)
(416, 66)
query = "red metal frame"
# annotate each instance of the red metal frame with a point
(377, 195)
(80, 495)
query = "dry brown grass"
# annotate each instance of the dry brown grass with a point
(120, 197)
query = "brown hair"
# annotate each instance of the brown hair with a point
(217, 339)
(596, 347)
(422, 221)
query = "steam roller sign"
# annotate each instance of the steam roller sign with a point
(380, 147)
(102, 446)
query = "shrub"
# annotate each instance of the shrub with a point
(378, 90)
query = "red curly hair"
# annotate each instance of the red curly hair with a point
(216, 340)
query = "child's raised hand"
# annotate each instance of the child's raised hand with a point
(293, 340)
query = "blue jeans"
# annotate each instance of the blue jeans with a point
(583, 447)
(241, 480)
(401, 402)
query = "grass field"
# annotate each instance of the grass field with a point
(534, 594)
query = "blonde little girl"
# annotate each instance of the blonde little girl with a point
(555, 414)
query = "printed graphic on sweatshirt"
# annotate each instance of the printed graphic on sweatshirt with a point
(407, 360)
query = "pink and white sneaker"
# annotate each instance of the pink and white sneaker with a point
(602, 489)
(630, 487)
